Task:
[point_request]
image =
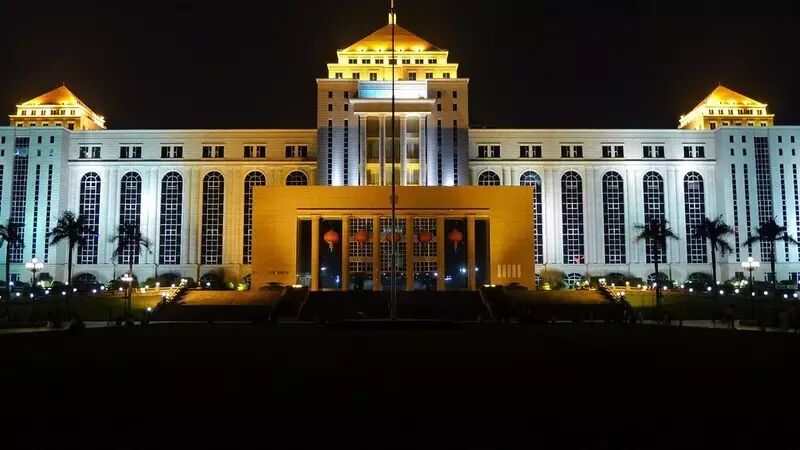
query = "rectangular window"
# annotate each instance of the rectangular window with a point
(219, 151)
(687, 151)
(495, 151)
(606, 151)
(356, 76)
(365, 61)
(206, 151)
(419, 61)
(38, 139)
(732, 153)
(744, 138)
(432, 61)
(619, 151)
(378, 60)
(338, 75)
(124, 152)
(712, 125)
(780, 139)
(330, 107)
(52, 139)
(483, 151)
(565, 151)
(438, 106)
(455, 94)
(730, 138)
(412, 76)
(455, 107)
(699, 151)
(165, 151)
(248, 151)
(577, 151)
(346, 94)
(406, 61)
(446, 75)
(330, 94)
(261, 151)
(289, 151)
(373, 77)
(352, 61)
(83, 152)
(524, 151)
(428, 75)
(302, 151)
(177, 151)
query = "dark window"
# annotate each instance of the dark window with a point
(565, 151)
(687, 151)
(289, 151)
(438, 106)
(52, 139)
(732, 152)
(455, 94)
(165, 151)
(524, 151)
(455, 107)
(38, 139)
(744, 138)
(302, 151)
(346, 94)
(412, 76)
(261, 151)
(700, 151)
(206, 151)
(428, 75)
(330, 107)
(495, 151)
(248, 151)
(330, 94)
(483, 151)
(373, 77)
(780, 139)
(577, 151)
(730, 138)
(346, 107)
(606, 151)
(219, 151)
(177, 151)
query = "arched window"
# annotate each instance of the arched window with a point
(252, 179)
(573, 279)
(89, 208)
(694, 201)
(488, 178)
(213, 213)
(654, 211)
(572, 218)
(169, 235)
(531, 178)
(614, 218)
(296, 178)
(130, 211)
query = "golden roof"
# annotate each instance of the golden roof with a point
(58, 96)
(724, 96)
(381, 40)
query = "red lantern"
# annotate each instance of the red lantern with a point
(425, 237)
(456, 237)
(332, 238)
(392, 236)
(361, 237)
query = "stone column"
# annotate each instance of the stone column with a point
(315, 253)
(403, 150)
(382, 150)
(104, 247)
(376, 253)
(345, 252)
(362, 142)
(440, 242)
(409, 253)
(423, 151)
(471, 252)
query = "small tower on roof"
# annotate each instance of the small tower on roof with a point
(726, 107)
(57, 108)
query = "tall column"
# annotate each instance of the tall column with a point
(440, 232)
(409, 253)
(362, 142)
(423, 151)
(471, 252)
(382, 150)
(403, 151)
(376, 253)
(152, 231)
(345, 252)
(314, 253)
(112, 210)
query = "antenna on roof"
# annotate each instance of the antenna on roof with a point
(392, 14)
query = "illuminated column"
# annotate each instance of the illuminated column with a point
(590, 237)
(345, 252)
(552, 208)
(314, 253)
(382, 150)
(632, 216)
(675, 218)
(112, 217)
(376, 253)
(506, 181)
(423, 151)
(362, 142)
(440, 235)
(471, 252)
(189, 223)
(409, 253)
(403, 151)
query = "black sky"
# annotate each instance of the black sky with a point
(533, 64)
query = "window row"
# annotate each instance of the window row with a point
(171, 217)
(176, 151)
(609, 151)
(373, 76)
(391, 61)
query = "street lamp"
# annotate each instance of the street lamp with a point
(129, 279)
(750, 265)
(34, 266)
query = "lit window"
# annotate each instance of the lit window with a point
(428, 75)
(169, 237)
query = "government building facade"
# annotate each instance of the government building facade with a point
(191, 191)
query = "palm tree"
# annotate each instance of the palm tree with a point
(10, 235)
(73, 230)
(769, 233)
(130, 242)
(714, 232)
(656, 232)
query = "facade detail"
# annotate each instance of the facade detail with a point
(194, 193)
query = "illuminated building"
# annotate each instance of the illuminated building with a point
(191, 191)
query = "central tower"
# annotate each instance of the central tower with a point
(354, 114)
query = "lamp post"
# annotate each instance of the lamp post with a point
(34, 265)
(750, 265)
(129, 279)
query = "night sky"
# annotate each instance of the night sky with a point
(559, 64)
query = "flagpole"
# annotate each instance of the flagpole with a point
(393, 292)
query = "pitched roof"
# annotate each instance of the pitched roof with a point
(58, 96)
(382, 40)
(725, 96)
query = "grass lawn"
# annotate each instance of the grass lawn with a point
(85, 306)
(702, 306)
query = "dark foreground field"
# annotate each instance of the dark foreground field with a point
(591, 373)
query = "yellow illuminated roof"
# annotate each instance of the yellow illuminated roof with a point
(724, 96)
(58, 96)
(381, 40)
